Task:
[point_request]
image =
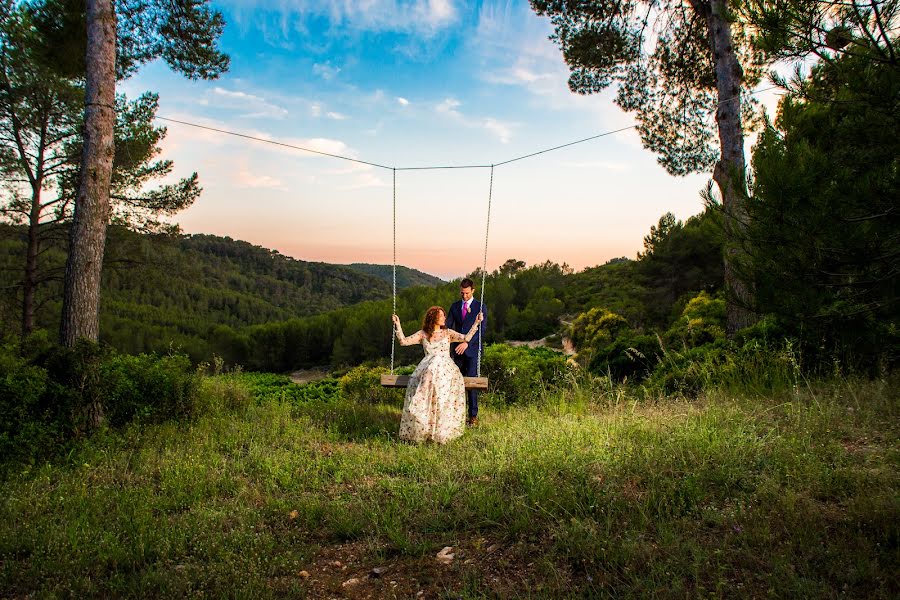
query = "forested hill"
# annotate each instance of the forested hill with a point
(406, 277)
(155, 286)
(218, 280)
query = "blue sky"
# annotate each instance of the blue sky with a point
(408, 83)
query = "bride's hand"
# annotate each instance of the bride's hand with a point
(479, 318)
(395, 319)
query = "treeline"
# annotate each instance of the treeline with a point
(207, 295)
(160, 290)
(525, 303)
(406, 277)
(819, 248)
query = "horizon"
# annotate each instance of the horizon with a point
(446, 278)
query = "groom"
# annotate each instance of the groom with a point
(461, 318)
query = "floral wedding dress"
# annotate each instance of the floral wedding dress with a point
(435, 406)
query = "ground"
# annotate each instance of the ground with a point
(590, 492)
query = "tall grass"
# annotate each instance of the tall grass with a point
(591, 492)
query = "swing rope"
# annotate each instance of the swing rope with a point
(487, 230)
(393, 336)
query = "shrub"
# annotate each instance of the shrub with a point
(23, 422)
(363, 384)
(266, 387)
(608, 346)
(756, 366)
(520, 374)
(149, 387)
(596, 327)
(631, 356)
(100, 385)
(223, 393)
(50, 395)
(701, 322)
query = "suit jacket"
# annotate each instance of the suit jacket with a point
(457, 323)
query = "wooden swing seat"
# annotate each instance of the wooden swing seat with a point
(401, 381)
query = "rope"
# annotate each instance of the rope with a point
(436, 167)
(393, 335)
(587, 139)
(487, 230)
(264, 140)
(426, 168)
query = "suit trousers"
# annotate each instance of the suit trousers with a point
(468, 366)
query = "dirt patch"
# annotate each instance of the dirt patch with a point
(567, 347)
(360, 570)
(308, 375)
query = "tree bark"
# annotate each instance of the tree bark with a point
(29, 283)
(81, 299)
(730, 171)
(32, 250)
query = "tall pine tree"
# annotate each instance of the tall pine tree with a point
(120, 36)
(675, 62)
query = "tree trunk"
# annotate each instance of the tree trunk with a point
(729, 173)
(29, 283)
(81, 299)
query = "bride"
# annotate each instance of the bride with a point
(435, 406)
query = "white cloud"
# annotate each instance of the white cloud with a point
(512, 42)
(422, 17)
(503, 131)
(365, 180)
(317, 109)
(326, 71)
(500, 129)
(402, 101)
(438, 11)
(256, 106)
(348, 168)
(448, 107)
(321, 145)
(247, 179)
(186, 137)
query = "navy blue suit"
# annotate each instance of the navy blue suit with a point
(468, 360)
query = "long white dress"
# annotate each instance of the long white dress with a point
(435, 405)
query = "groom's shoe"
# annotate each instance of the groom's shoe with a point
(472, 421)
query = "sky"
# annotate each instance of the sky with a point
(407, 83)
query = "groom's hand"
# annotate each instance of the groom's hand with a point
(462, 347)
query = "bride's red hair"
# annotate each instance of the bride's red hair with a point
(431, 319)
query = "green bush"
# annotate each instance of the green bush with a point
(702, 321)
(102, 386)
(223, 393)
(264, 387)
(755, 366)
(50, 395)
(520, 374)
(24, 421)
(595, 328)
(607, 345)
(630, 357)
(363, 384)
(149, 387)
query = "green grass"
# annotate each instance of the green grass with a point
(588, 494)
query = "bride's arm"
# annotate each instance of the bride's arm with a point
(471, 334)
(412, 340)
(455, 336)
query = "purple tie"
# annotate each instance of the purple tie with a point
(465, 312)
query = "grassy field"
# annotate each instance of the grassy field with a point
(589, 494)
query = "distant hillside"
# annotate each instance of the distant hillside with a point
(157, 287)
(406, 277)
